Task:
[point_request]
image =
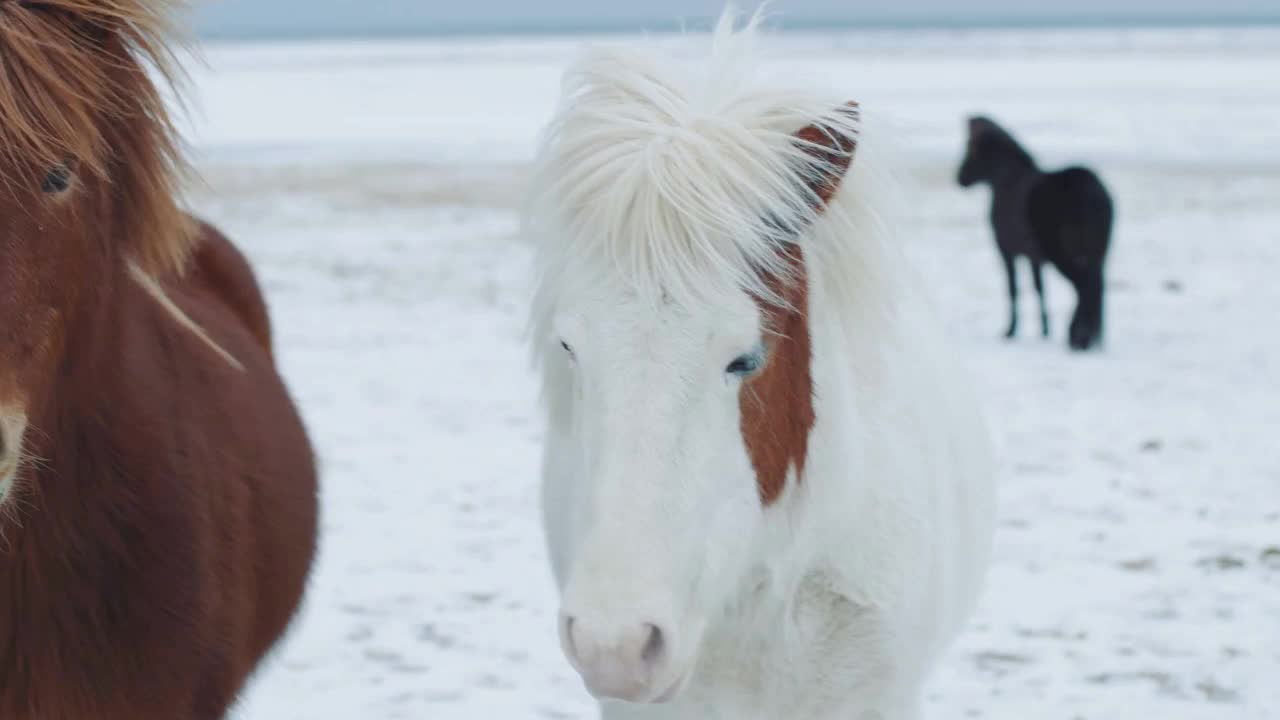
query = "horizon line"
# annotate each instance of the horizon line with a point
(545, 30)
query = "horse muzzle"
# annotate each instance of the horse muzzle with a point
(632, 662)
(13, 427)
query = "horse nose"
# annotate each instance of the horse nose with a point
(621, 661)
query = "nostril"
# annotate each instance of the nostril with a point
(655, 645)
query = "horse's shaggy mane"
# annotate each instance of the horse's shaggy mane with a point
(77, 88)
(683, 176)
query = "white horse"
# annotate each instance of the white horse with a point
(768, 490)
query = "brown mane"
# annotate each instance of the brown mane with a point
(76, 88)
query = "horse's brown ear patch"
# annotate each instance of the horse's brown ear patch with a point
(833, 153)
(777, 404)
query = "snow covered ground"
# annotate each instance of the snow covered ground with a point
(1138, 565)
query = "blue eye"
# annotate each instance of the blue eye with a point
(745, 365)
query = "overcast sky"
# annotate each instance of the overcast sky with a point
(363, 17)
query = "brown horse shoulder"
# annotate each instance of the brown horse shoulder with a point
(221, 267)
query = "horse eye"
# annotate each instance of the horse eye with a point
(745, 365)
(567, 349)
(57, 181)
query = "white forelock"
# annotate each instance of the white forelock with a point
(678, 175)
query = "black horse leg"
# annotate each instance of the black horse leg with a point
(1036, 271)
(1086, 325)
(1012, 274)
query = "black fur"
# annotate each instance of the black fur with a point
(1063, 217)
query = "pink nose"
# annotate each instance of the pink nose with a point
(621, 661)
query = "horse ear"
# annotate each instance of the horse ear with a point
(979, 124)
(832, 150)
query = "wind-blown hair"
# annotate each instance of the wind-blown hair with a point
(78, 90)
(682, 176)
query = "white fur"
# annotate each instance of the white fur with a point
(834, 602)
(13, 429)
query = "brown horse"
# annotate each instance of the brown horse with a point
(157, 484)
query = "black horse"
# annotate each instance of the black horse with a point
(1062, 217)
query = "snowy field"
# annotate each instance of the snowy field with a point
(1137, 573)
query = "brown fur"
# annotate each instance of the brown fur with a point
(777, 404)
(161, 533)
(218, 263)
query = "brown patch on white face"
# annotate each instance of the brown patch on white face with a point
(777, 403)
